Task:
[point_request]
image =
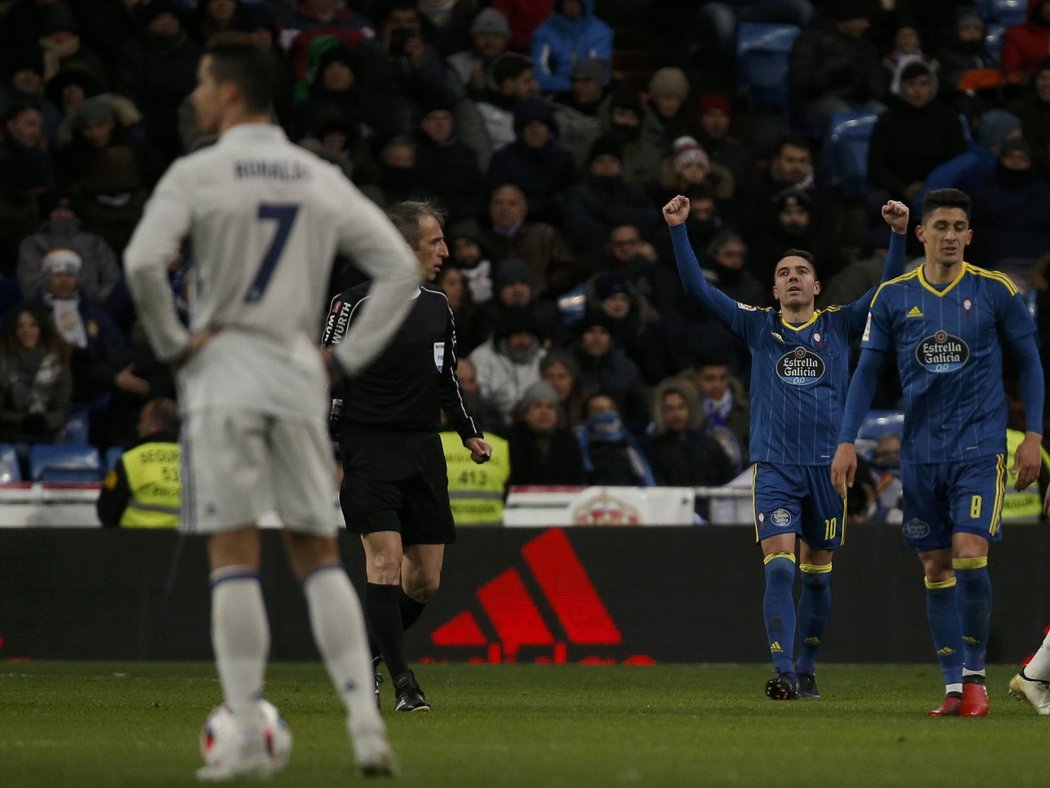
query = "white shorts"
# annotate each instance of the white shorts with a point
(237, 465)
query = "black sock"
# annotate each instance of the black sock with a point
(384, 623)
(411, 610)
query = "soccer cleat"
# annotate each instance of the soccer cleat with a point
(949, 706)
(783, 686)
(409, 696)
(807, 686)
(376, 662)
(974, 699)
(374, 756)
(1031, 691)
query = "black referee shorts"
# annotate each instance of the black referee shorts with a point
(396, 481)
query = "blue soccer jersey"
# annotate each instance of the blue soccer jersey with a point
(948, 343)
(804, 373)
(799, 373)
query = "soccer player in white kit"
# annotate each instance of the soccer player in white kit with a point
(265, 219)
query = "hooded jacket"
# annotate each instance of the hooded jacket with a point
(560, 42)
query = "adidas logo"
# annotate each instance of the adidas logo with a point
(914, 312)
(568, 612)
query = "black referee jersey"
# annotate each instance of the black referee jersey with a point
(413, 379)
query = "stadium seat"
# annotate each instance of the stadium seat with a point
(879, 422)
(1009, 12)
(58, 462)
(9, 470)
(762, 62)
(846, 152)
(78, 427)
(113, 455)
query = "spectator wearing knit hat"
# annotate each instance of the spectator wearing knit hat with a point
(101, 360)
(514, 289)
(571, 33)
(471, 68)
(715, 135)
(1010, 209)
(633, 323)
(509, 361)
(541, 450)
(605, 367)
(535, 161)
(668, 115)
(974, 165)
(99, 271)
(604, 199)
(688, 166)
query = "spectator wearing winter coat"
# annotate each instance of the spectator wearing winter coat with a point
(612, 455)
(917, 132)
(1027, 44)
(535, 161)
(310, 19)
(99, 271)
(1034, 111)
(571, 33)
(1010, 209)
(445, 166)
(491, 114)
(509, 361)
(604, 367)
(580, 112)
(542, 451)
(680, 453)
(472, 68)
(833, 68)
(604, 199)
(551, 261)
(633, 323)
(158, 70)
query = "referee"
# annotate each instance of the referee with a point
(395, 483)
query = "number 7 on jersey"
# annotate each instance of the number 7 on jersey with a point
(284, 214)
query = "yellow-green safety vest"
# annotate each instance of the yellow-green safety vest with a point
(1026, 504)
(153, 477)
(476, 491)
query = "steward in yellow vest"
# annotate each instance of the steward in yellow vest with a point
(144, 490)
(1026, 504)
(476, 491)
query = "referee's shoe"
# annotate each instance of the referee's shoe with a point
(409, 696)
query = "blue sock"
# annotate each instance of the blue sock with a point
(778, 608)
(973, 599)
(814, 604)
(945, 629)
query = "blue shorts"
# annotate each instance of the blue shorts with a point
(798, 499)
(943, 498)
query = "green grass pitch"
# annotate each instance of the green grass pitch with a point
(80, 725)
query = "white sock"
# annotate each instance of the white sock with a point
(339, 631)
(1039, 668)
(240, 635)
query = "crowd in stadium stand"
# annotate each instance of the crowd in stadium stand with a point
(551, 131)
